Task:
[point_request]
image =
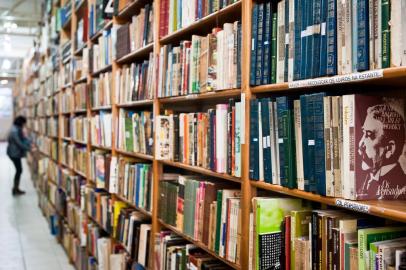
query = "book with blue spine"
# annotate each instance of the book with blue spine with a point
(298, 28)
(254, 141)
(259, 42)
(332, 38)
(323, 39)
(266, 47)
(319, 151)
(363, 35)
(266, 132)
(274, 42)
(315, 39)
(254, 31)
(309, 39)
(303, 39)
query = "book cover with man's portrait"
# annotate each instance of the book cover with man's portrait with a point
(377, 151)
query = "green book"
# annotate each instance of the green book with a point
(347, 258)
(218, 221)
(299, 227)
(269, 214)
(368, 236)
(385, 33)
(128, 125)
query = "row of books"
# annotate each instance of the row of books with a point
(100, 54)
(79, 128)
(135, 82)
(177, 15)
(66, 157)
(47, 146)
(81, 33)
(326, 144)
(80, 159)
(95, 15)
(209, 139)
(101, 89)
(47, 107)
(135, 131)
(100, 168)
(99, 207)
(64, 127)
(133, 232)
(80, 67)
(67, 100)
(299, 237)
(132, 181)
(47, 126)
(72, 184)
(206, 210)
(66, 71)
(101, 128)
(136, 34)
(206, 63)
(80, 96)
(172, 252)
(301, 39)
(75, 219)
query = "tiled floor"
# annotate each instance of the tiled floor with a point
(25, 241)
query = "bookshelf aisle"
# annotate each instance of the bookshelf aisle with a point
(168, 131)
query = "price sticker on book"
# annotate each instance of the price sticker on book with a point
(354, 206)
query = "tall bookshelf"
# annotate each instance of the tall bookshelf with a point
(394, 77)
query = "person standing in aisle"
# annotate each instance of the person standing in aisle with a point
(18, 145)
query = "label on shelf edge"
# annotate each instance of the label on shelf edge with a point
(359, 207)
(354, 77)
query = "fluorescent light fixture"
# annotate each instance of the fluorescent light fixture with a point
(6, 64)
(3, 82)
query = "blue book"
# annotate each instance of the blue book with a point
(309, 40)
(266, 133)
(260, 36)
(363, 35)
(323, 39)
(332, 38)
(266, 47)
(179, 14)
(254, 141)
(303, 38)
(354, 37)
(315, 39)
(298, 39)
(319, 149)
(137, 183)
(254, 30)
(286, 70)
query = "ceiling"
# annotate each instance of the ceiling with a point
(18, 27)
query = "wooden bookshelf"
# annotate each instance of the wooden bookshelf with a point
(134, 154)
(138, 103)
(102, 70)
(215, 95)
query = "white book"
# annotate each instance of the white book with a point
(221, 138)
(298, 143)
(113, 181)
(347, 52)
(164, 137)
(328, 140)
(280, 51)
(227, 193)
(347, 177)
(273, 142)
(337, 145)
(143, 243)
(276, 128)
(103, 253)
(396, 14)
(260, 142)
(291, 39)
(117, 261)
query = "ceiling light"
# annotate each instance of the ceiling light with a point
(6, 64)
(3, 82)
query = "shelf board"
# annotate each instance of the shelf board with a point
(80, 111)
(101, 108)
(128, 11)
(79, 51)
(68, 139)
(198, 244)
(68, 85)
(206, 23)
(229, 93)
(67, 24)
(81, 80)
(101, 147)
(79, 173)
(79, 142)
(136, 103)
(140, 53)
(102, 70)
(97, 223)
(201, 170)
(395, 210)
(106, 26)
(135, 155)
(393, 75)
(132, 205)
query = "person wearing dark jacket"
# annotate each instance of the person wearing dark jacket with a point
(18, 145)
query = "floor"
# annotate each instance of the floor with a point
(25, 241)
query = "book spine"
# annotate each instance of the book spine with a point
(298, 143)
(254, 33)
(347, 180)
(316, 39)
(297, 33)
(280, 54)
(332, 37)
(281, 140)
(254, 144)
(260, 38)
(260, 143)
(328, 146)
(319, 151)
(354, 34)
(396, 33)
(266, 140)
(239, 50)
(274, 44)
(286, 41)
(309, 39)
(291, 33)
(237, 139)
(347, 54)
(323, 38)
(266, 48)
(363, 35)
(303, 38)
(386, 33)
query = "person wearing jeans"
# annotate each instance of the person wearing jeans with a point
(18, 145)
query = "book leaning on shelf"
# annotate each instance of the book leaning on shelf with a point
(289, 233)
(100, 93)
(188, 202)
(303, 39)
(135, 82)
(135, 131)
(206, 63)
(209, 139)
(100, 129)
(347, 146)
(177, 15)
(136, 34)
(132, 181)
